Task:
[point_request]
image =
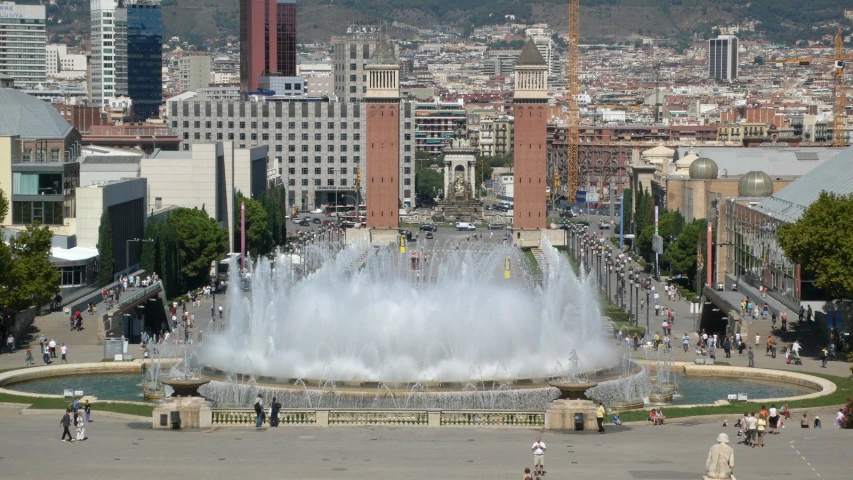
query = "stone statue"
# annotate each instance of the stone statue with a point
(721, 460)
(459, 185)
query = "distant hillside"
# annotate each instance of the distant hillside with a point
(201, 21)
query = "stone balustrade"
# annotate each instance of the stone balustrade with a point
(486, 418)
(245, 417)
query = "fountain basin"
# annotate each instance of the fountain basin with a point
(573, 390)
(185, 387)
(660, 397)
(629, 405)
(669, 387)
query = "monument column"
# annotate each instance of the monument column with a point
(530, 108)
(382, 101)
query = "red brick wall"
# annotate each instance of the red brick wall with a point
(531, 158)
(383, 165)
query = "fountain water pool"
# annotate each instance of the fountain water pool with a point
(454, 317)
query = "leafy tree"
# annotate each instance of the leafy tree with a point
(670, 225)
(259, 239)
(106, 255)
(185, 244)
(428, 182)
(681, 254)
(4, 205)
(30, 279)
(274, 204)
(820, 241)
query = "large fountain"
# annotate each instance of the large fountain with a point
(441, 327)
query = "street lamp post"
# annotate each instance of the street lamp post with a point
(647, 309)
(637, 303)
(630, 295)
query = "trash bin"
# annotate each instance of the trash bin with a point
(579, 422)
(176, 420)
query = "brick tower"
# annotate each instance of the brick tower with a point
(382, 101)
(530, 108)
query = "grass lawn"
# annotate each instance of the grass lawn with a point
(39, 403)
(840, 397)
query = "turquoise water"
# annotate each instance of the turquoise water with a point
(708, 390)
(691, 390)
(109, 386)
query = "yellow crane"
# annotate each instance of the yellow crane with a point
(839, 93)
(574, 91)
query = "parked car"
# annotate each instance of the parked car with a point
(496, 226)
(429, 236)
(604, 226)
(427, 227)
(317, 210)
(563, 226)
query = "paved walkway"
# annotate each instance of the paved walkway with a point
(685, 321)
(124, 449)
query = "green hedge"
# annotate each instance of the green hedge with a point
(42, 403)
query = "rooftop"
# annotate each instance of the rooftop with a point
(775, 161)
(834, 175)
(30, 118)
(530, 55)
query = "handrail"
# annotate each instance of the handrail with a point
(139, 294)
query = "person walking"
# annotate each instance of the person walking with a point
(28, 357)
(259, 411)
(64, 351)
(65, 423)
(757, 340)
(751, 429)
(761, 429)
(52, 346)
(539, 456)
(685, 342)
(751, 356)
(81, 427)
(773, 419)
(220, 311)
(824, 356)
(727, 347)
(599, 417)
(88, 409)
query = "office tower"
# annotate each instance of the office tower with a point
(723, 58)
(267, 40)
(144, 58)
(530, 108)
(108, 32)
(23, 43)
(351, 53)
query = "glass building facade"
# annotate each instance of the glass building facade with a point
(145, 58)
(267, 40)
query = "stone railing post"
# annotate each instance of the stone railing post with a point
(433, 418)
(322, 418)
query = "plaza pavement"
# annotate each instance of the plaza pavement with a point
(119, 448)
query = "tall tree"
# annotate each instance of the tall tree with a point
(822, 242)
(32, 279)
(106, 255)
(200, 240)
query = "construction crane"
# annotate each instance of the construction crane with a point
(574, 91)
(839, 93)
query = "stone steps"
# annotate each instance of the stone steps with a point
(539, 255)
